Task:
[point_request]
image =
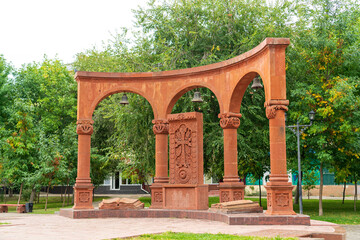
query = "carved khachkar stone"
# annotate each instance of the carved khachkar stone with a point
(185, 189)
(186, 159)
(85, 126)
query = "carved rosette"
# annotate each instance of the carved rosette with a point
(161, 126)
(274, 105)
(85, 126)
(84, 197)
(230, 120)
(282, 199)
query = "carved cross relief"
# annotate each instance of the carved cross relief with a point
(185, 164)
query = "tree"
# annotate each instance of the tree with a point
(309, 181)
(324, 52)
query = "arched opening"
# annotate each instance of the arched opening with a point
(252, 135)
(213, 147)
(117, 165)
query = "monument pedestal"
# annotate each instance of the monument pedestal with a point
(231, 191)
(279, 199)
(83, 196)
(185, 196)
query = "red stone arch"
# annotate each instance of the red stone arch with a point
(121, 89)
(228, 81)
(178, 93)
(240, 89)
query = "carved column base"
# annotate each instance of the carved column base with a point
(156, 196)
(83, 196)
(231, 191)
(279, 200)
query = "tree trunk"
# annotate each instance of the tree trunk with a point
(308, 194)
(20, 193)
(355, 195)
(32, 195)
(4, 194)
(38, 198)
(343, 201)
(10, 192)
(47, 196)
(66, 187)
(260, 193)
(61, 193)
(321, 190)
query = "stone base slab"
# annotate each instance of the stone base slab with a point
(186, 196)
(231, 219)
(231, 191)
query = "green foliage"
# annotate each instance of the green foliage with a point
(309, 180)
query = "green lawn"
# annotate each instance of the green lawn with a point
(54, 204)
(334, 210)
(204, 236)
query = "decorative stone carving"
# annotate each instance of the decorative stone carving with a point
(84, 197)
(85, 126)
(269, 199)
(158, 197)
(282, 199)
(161, 126)
(238, 195)
(185, 189)
(273, 105)
(230, 120)
(181, 150)
(225, 196)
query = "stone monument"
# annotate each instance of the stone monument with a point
(186, 188)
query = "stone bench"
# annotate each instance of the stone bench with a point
(20, 208)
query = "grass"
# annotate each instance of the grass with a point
(333, 210)
(204, 236)
(54, 204)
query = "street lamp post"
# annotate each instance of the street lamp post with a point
(299, 129)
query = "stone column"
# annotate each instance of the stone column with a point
(231, 189)
(161, 131)
(279, 189)
(83, 187)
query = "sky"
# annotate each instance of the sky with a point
(32, 28)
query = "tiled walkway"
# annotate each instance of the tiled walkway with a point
(36, 226)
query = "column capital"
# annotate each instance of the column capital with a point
(229, 120)
(161, 126)
(84, 126)
(273, 105)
